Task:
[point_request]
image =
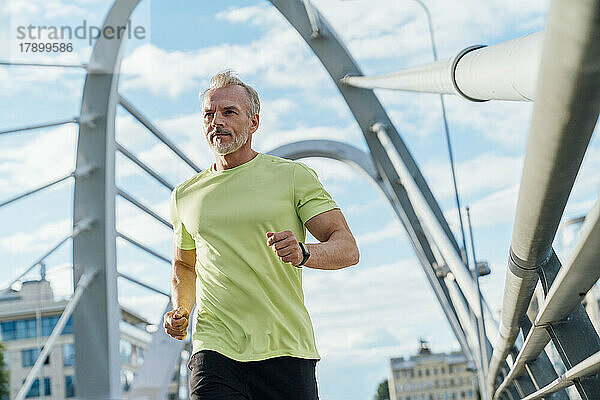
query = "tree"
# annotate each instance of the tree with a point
(383, 391)
(4, 392)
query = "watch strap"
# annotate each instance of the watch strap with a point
(305, 253)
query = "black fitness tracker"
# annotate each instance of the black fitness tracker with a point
(305, 253)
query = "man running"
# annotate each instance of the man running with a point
(239, 231)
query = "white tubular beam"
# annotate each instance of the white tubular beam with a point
(42, 125)
(569, 287)
(505, 71)
(462, 311)
(144, 248)
(452, 258)
(143, 166)
(143, 207)
(428, 78)
(157, 133)
(562, 123)
(587, 367)
(160, 359)
(32, 191)
(534, 344)
(578, 277)
(79, 227)
(143, 284)
(60, 325)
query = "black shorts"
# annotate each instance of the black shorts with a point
(216, 377)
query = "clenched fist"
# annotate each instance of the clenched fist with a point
(286, 246)
(176, 323)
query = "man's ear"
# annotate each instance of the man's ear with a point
(254, 122)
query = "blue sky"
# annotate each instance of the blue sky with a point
(362, 315)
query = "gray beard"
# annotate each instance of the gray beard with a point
(237, 142)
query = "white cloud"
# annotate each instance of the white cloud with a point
(47, 10)
(356, 310)
(497, 207)
(502, 122)
(278, 57)
(142, 227)
(15, 80)
(49, 155)
(393, 229)
(259, 14)
(361, 208)
(36, 240)
(482, 174)
(370, 26)
(266, 141)
(61, 279)
(331, 170)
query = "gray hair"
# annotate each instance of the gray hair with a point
(229, 78)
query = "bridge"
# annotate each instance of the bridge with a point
(558, 69)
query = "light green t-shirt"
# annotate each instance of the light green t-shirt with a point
(250, 303)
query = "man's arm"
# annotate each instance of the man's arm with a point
(337, 249)
(183, 293)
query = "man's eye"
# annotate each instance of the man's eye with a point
(229, 112)
(208, 114)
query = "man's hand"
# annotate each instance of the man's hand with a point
(286, 246)
(176, 323)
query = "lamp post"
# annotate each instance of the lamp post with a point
(449, 145)
(478, 323)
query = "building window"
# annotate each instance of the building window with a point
(69, 386)
(30, 356)
(27, 328)
(68, 329)
(8, 330)
(47, 391)
(68, 351)
(125, 349)
(48, 324)
(34, 390)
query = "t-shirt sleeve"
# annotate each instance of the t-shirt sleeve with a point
(310, 197)
(181, 237)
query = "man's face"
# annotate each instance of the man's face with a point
(226, 123)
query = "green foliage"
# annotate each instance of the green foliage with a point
(383, 391)
(4, 392)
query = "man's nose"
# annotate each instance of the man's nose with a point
(217, 119)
